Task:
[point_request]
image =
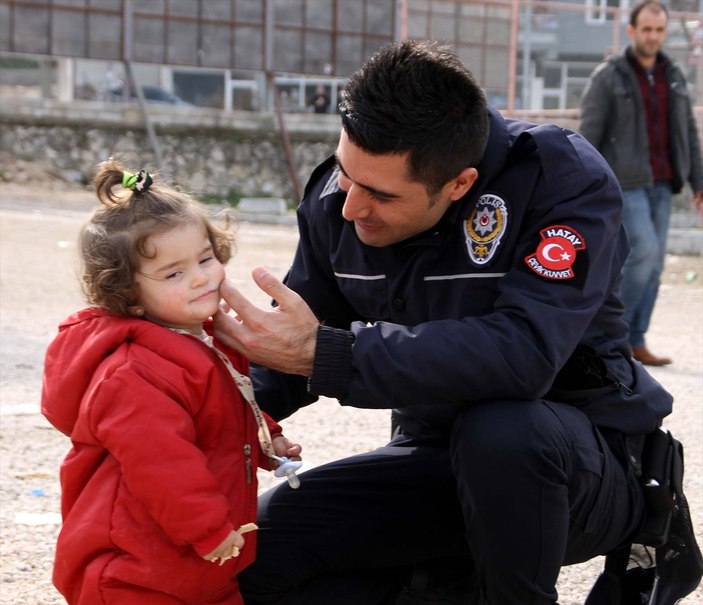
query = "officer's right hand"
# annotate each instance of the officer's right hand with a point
(282, 338)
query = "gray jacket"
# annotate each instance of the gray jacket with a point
(613, 120)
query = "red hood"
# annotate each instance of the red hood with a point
(84, 340)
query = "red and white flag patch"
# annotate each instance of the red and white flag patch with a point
(556, 252)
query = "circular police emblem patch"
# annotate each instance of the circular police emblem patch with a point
(485, 227)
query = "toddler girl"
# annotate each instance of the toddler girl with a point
(160, 484)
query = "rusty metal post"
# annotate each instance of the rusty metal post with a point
(290, 161)
(127, 21)
(402, 20)
(512, 55)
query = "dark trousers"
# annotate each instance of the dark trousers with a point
(518, 490)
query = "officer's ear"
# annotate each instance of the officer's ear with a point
(462, 183)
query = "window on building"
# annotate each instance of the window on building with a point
(600, 11)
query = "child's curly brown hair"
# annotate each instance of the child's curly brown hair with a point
(113, 240)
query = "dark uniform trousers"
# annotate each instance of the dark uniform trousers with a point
(518, 490)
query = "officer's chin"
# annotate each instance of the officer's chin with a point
(372, 235)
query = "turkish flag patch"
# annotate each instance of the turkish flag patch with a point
(556, 252)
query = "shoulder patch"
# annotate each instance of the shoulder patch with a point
(485, 228)
(556, 253)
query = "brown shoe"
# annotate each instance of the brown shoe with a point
(647, 358)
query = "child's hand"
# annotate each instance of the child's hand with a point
(283, 447)
(286, 460)
(227, 549)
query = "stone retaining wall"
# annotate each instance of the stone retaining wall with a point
(206, 152)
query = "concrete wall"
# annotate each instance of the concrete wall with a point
(206, 151)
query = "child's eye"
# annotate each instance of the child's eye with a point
(174, 275)
(205, 260)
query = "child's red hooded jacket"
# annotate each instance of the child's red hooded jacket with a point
(163, 463)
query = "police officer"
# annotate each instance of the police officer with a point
(460, 269)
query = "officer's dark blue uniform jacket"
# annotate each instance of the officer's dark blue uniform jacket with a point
(511, 296)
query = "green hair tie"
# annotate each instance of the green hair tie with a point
(139, 183)
(129, 180)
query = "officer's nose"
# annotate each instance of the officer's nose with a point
(356, 205)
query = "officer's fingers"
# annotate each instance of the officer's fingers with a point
(284, 296)
(236, 301)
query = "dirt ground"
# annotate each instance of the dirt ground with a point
(38, 288)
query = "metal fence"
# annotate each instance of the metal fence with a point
(537, 55)
(527, 54)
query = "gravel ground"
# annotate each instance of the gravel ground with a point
(38, 228)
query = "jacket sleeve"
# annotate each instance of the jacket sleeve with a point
(279, 394)
(142, 422)
(595, 108)
(695, 177)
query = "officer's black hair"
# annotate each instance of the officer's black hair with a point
(417, 96)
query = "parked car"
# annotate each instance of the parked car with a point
(152, 94)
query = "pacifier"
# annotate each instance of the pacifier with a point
(287, 469)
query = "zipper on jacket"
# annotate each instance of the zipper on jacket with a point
(247, 461)
(622, 388)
